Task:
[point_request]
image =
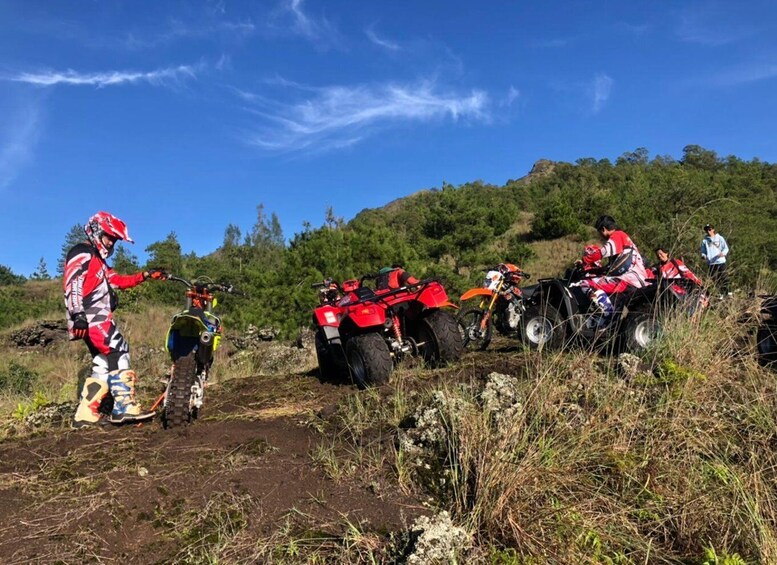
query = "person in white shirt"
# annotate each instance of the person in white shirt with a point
(714, 250)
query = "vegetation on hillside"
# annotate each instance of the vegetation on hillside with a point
(532, 457)
(539, 221)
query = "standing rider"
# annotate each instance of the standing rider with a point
(90, 299)
(625, 268)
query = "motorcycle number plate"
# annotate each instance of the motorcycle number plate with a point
(330, 317)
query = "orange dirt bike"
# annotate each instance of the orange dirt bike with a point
(193, 337)
(501, 306)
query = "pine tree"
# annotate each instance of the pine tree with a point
(74, 236)
(41, 273)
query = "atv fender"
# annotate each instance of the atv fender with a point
(433, 296)
(367, 315)
(331, 333)
(326, 316)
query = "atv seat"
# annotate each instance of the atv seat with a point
(633, 295)
(364, 293)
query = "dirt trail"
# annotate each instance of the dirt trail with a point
(141, 494)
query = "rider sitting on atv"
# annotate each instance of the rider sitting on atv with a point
(671, 268)
(391, 278)
(624, 270)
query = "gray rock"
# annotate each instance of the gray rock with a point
(40, 334)
(438, 541)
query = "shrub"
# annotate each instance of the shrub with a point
(555, 218)
(17, 379)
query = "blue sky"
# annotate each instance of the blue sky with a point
(184, 116)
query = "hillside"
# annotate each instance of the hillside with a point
(552, 458)
(509, 456)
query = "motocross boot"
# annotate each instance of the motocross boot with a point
(88, 411)
(125, 407)
(602, 302)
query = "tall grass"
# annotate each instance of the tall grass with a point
(594, 468)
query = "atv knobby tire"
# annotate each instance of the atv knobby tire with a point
(439, 332)
(766, 340)
(178, 404)
(469, 325)
(542, 327)
(369, 360)
(638, 331)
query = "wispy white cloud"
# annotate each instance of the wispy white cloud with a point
(711, 24)
(745, 74)
(631, 29)
(600, 90)
(317, 30)
(181, 30)
(338, 116)
(157, 77)
(512, 95)
(380, 42)
(554, 43)
(20, 133)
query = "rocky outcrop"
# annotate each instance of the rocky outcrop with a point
(40, 334)
(275, 357)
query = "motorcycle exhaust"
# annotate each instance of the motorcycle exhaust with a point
(206, 338)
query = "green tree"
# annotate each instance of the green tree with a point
(8, 277)
(74, 236)
(232, 235)
(166, 254)
(41, 273)
(123, 261)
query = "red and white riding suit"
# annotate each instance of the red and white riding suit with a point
(676, 269)
(618, 243)
(87, 283)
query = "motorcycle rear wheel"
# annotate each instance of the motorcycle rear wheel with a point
(179, 405)
(470, 328)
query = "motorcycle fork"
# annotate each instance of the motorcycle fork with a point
(491, 303)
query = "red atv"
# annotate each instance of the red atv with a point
(363, 331)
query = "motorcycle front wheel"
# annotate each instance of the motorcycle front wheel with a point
(471, 330)
(179, 404)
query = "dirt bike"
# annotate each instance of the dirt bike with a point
(193, 337)
(560, 313)
(501, 306)
(363, 332)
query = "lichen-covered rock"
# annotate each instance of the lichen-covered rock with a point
(501, 398)
(254, 336)
(306, 339)
(631, 366)
(433, 422)
(438, 541)
(272, 358)
(51, 414)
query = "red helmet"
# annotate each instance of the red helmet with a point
(103, 223)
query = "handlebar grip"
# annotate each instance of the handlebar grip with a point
(317, 285)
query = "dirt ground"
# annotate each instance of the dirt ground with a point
(241, 474)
